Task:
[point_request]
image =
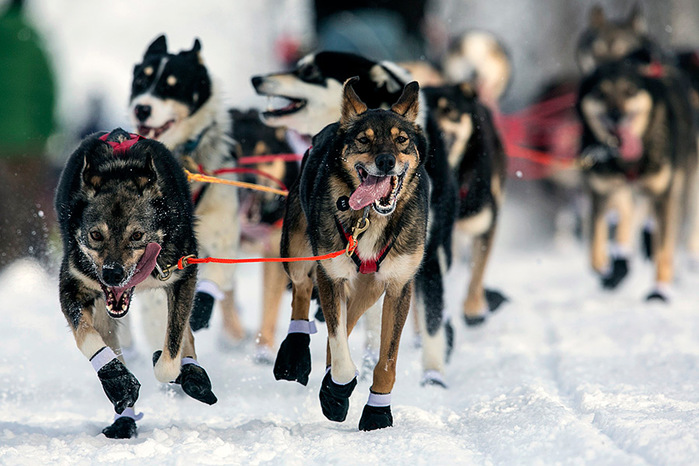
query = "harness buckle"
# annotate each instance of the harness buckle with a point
(361, 227)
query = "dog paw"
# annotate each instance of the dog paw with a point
(449, 335)
(495, 299)
(166, 370)
(433, 378)
(201, 311)
(473, 321)
(375, 417)
(293, 361)
(334, 398)
(619, 270)
(119, 384)
(123, 427)
(319, 315)
(195, 383)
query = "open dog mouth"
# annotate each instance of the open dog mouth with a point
(118, 298)
(279, 105)
(379, 191)
(154, 133)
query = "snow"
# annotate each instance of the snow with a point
(564, 373)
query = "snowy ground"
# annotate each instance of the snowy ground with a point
(564, 373)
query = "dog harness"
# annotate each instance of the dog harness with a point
(365, 266)
(120, 140)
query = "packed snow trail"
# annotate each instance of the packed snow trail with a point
(564, 372)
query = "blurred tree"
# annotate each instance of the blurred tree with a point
(27, 99)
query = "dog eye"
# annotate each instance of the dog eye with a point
(137, 236)
(401, 140)
(363, 140)
(96, 235)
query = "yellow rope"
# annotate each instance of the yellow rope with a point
(241, 184)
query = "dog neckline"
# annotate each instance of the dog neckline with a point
(365, 266)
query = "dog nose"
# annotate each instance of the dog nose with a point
(256, 81)
(113, 274)
(142, 112)
(385, 162)
(615, 115)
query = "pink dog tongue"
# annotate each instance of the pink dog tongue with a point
(631, 146)
(145, 266)
(372, 189)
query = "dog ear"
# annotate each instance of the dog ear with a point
(149, 175)
(596, 19)
(158, 47)
(637, 19)
(408, 104)
(352, 105)
(196, 49)
(91, 178)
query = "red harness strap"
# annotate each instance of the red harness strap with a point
(364, 266)
(121, 147)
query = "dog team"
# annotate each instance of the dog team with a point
(395, 176)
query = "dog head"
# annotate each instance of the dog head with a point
(167, 91)
(116, 233)
(381, 149)
(312, 92)
(616, 103)
(454, 108)
(480, 58)
(606, 40)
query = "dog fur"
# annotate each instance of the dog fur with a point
(637, 134)
(476, 154)
(174, 100)
(365, 145)
(114, 210)
(313, 88)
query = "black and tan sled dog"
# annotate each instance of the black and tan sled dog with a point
(125, 215)
(477, 157)
(637, 135)
(363, 180)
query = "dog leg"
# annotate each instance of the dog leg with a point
(598, 241)
(377, 412)
(476, 306)
(341, 378)
(294, 356)
(180, 296)
(274, 280)
(120, 385)
(618, 269)
(429, 296)
(667, 214)
(218, 235)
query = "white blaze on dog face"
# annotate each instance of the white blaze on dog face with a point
(309, 107)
